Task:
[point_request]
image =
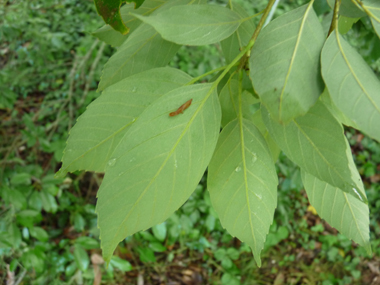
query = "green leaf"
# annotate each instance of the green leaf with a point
(348, 8)
(229, 102)
(157, 247)
(146, 254)
(121, 264)
(98, 131)
(14, 235)
(195, 24)
(157, 164)
(28, 217)
(242, 182)
(316, 143)
(114, 38)
(39, 233)
(259, 123)
(110, 12)
(81, 257)
(372, 9)
(327, 101)
(342, 211)
(87, 242)
(159, 231)
(353, 86)
(285, 63)
(143, 50)
(49, 204)
(21, 179)
(79, 222)
(345, 24)
(232, 45)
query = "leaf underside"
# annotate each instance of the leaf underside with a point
(285, 63)
(157, 164)
(243, 182)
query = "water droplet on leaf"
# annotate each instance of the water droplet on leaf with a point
(238, 169)
(112, 162)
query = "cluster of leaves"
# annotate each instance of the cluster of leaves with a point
(48, 226)
(285, 88)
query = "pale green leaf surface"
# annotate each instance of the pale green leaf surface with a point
(194, 24)
(114, 38)
(353, 86)
(372, 8)
(158, 164)
(229, 102)
(143, 50)
(242, 181)
(285, 65)
(106, 120)
(348, 9)
(347, 214)
(232, 45)
(316, 143)
(259, 123)
(327, 101)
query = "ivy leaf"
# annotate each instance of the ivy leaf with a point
(242, 181)
(157, 164)
(316, 143)
(353, 86)
(106, 120)
(232, 45)
(195, 24)
(372, 8)
(348, 215)
(285, 63)
(110, 12)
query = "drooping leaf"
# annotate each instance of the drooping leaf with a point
(157, 164)
(372, 9)
(352, 85)
(194, 24)
(316, 143)
(242, 181)
(232, 45)
(347, 214)
(347, 8)
(229, 102)
(110, 12)
(106, 120)
(285, 65)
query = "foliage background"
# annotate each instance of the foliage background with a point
(50, 65)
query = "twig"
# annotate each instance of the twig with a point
(92, 71)
(21, 277)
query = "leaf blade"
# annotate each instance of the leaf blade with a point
(242, 177)
(342, 211)
(160, 159)
(316, 143)
(194, 25)
(345, 72)
(285, 63)
(110, 116)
